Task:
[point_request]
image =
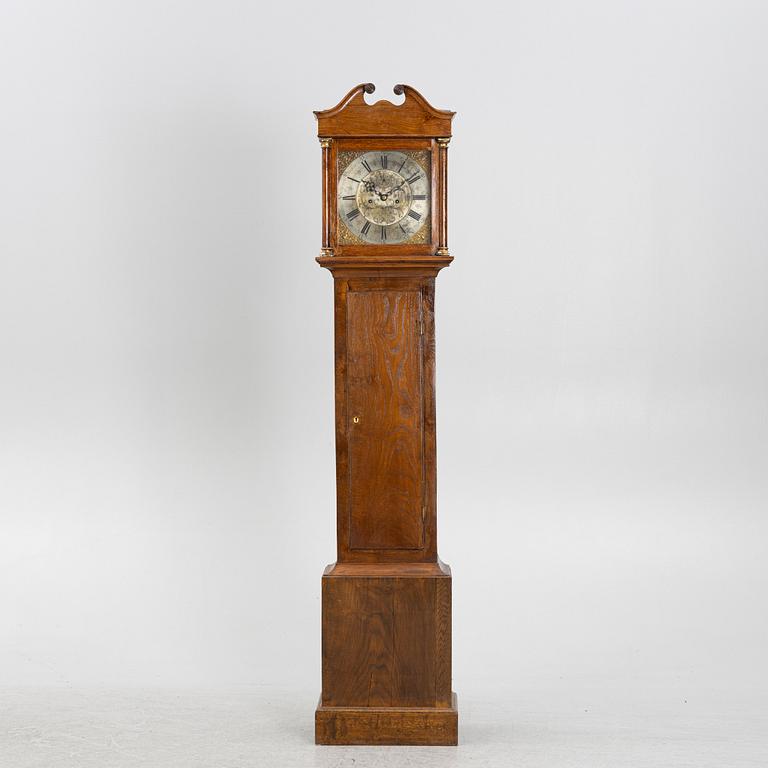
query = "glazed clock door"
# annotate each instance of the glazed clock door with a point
(386, 420)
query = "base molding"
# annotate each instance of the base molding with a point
(423, 726)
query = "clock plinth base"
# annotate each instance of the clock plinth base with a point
(387, 655)
(407, 726)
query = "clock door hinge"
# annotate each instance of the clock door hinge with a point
(421, 325)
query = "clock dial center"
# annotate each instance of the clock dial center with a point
(384, 197)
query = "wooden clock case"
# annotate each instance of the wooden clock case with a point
(386, 602)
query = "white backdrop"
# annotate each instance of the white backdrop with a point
(166, 424)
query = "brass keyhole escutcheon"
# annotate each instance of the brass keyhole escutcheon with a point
(355, 419)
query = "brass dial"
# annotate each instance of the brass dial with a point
(383, 197)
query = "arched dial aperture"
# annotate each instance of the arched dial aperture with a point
(383, 197)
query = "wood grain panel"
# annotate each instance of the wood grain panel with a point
(413, 625)
(386, 640)
(385, 419)
(357, 642)
(443, 642)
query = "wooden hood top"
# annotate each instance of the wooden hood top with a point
(352, 116)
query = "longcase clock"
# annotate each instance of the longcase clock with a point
(386, 601)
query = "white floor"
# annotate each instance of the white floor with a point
(79, 728)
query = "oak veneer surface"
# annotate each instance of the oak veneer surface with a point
(385, 415)
(434, 569)
(388, 725)
(386, 641)
(386, 442)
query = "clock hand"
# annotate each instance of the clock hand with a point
(385, 195)
(392, 191)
